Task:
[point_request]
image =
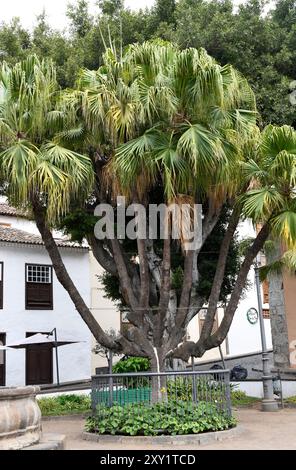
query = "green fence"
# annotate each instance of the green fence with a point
(122, 396)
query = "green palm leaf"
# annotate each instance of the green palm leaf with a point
(284, 226)
(33, 119)
(260, 204)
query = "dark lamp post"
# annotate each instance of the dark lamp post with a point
(268, 401)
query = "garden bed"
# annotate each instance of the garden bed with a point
(165, 418)
(205, 438)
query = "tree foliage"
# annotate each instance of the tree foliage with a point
(158, 123)
(261, 45)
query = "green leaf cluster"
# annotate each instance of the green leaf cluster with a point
(64, 404)
(169, 418)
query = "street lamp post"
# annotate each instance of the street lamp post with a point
(268, 402)
(54, 332)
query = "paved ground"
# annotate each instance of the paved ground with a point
(259, 431)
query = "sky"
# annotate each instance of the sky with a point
(55, 9)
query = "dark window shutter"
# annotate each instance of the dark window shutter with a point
(1, 285)
(39, 296)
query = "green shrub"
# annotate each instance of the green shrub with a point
(171, 418)
(64, 404)
(182, 388)
(132, 364)
(239, 397)
(291, 400)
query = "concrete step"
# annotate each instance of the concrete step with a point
(49, 441)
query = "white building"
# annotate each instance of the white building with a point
(244, 334)
(102, 309)
(32, 300)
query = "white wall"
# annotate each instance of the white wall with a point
(194, 333)
(244, 337)
(15, 321)
(102, 308)
(255, 389)
(21, 223)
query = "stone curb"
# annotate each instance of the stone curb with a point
(190, 439)
(50, 441)
(68, 417)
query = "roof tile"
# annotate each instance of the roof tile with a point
(12, 235)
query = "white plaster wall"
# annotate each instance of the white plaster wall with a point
(194, 333)
(15, 321)
(255, 389)
(244, 337)
(23, 224)
(102, 308)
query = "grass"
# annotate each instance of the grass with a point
(290, 400)
(239, 398)
(64, 405)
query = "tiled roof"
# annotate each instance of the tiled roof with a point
(12, 235)
(6, 209)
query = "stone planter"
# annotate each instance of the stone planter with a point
(20, 417)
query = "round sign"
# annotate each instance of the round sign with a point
(252, 316)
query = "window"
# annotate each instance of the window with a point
(39, 287)
(2, 360)
(265, 312)
(1, 285)
(265, 289)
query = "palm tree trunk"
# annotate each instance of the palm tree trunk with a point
(279, 330)
(66, 281)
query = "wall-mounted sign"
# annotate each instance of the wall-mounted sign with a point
(252, 316)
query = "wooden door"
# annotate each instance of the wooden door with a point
(2, 360)
(38, 363)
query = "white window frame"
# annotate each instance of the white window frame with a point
(39, 273)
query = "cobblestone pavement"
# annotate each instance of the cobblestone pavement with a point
(258, 431)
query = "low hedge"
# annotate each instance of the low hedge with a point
(64, 404)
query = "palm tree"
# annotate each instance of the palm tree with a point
(175, 119)
(272, 175)
(162, 112)
(155, 120)
(36, 169)
(272, 201)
